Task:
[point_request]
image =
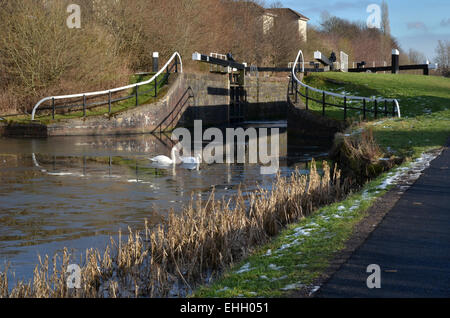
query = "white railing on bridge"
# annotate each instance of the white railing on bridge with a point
(175, 56)
(347, 97)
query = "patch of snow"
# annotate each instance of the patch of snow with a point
(275, 267)
(223, 289)
(244, 269)
(289, 245)
(293, 286)
(301, 231)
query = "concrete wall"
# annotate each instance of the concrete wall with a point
(266, 97)
(310, 128)
(204, 96)
(210, 102)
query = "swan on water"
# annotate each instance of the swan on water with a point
(192, 160)
(164, 160)
(188, 162)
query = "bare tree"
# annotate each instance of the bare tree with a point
(416, 57)
(443, 57)
(385, 21)
(40, 54)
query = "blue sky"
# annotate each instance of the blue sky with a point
(416, 24)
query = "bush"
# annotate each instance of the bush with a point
(41, 56)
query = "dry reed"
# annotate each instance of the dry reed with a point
(189, 248)
(358, 156)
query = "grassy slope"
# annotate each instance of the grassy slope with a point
(116, 108)
(296, 260)
(424, 103)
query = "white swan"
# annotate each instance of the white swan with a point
(192, 160)
(165, 161)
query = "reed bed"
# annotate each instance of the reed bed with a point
(189, 248)
(360, 158)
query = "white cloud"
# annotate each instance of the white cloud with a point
(416, 25)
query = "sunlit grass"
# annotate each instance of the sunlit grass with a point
(424, 103)
(146, 96)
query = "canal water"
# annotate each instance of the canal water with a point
(77, 192)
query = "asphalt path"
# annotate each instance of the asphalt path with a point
(411, 245)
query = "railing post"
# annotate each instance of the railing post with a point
(109, 102)
(292, 85)
(323, 104)
(364, 109)
(155, 62)
(137, 95)
(385, 109)
(307, 96)
(156, 87)
(53, 108)
(84, 105)
(395, 61)
(176, 64)
(296, 92)
(393, 109)
(376, 109)
(345, 107)
(167, 75)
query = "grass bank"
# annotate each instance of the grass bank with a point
(300, 254)
(424, 103)
(303, 251)
(146, 96)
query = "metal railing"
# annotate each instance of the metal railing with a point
(385, 108)
(176, 111)
(177, 66)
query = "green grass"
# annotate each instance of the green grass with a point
(291, 261)
(144, 98)
(425, 125)
(424, 103)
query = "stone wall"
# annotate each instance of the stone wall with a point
(310, 128)
(193, 96)
(266, 97)
(210, 102)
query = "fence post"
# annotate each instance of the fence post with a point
(323, 104)
(376, 109)
(296, 92)
(155, 62)
(53, 108)
(109, 102)
(292, 85)
(364, 109)
(393, 109)
(156, 87)
(345, 107)
(307, 96)
(395, 61)
(385, 108)
(176, 64)
(167, 75)
(84, 105)
(137, 95)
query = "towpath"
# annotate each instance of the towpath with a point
(411, 245)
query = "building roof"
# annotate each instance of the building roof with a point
(288, 11)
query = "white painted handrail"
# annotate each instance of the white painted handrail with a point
(114, 90)
(372, 99)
